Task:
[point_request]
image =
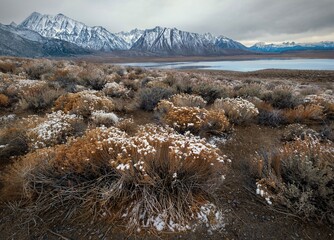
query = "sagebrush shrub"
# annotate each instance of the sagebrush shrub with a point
(237, 110)
(7, 66)
(268, 115)
(36, 68)
(188, 100)
(156, 176)
(210, 92)
(104, 118)
(300, 177)
(148, 98)
(39, 97)
(297, 131)
(282, 98)
(13, 142)
(114, 89)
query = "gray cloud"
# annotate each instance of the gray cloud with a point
(247, 21)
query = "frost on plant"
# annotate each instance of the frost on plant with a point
(157, 179)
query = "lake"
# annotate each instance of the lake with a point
(244, 65)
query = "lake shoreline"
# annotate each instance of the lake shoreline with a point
(120, 57)
(243, 65)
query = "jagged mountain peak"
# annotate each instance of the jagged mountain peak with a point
(172, 41)
(62, 27)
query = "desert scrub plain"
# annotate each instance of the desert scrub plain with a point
(96, 151)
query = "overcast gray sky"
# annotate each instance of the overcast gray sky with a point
(247, 21)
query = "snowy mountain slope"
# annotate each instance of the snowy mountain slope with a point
(15, 41)
(291, 46)
(130, 37)
(171, 41)
(67, 29)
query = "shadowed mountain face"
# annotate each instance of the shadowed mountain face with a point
(15, 41)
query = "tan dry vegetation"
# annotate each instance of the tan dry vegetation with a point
(90, 159)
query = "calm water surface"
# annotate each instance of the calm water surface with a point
(244, 66)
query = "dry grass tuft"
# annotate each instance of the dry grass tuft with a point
(4, 100)
(304, 114)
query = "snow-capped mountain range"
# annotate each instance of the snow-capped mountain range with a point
(67, 29)
(157, 40)
(62, 35)
(292, 46)
(17, 41)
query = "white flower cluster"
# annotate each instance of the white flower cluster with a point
(57, 126)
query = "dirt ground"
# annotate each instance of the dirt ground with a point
(247, 215)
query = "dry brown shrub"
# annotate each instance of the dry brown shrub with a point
(127, 125)
(13, 142)
(83, 103)
(36, 68)
(38, 97)
(4, 100)
(304, 114)
(7, 66)
(156, 180)
(194, 119)
(300, 176)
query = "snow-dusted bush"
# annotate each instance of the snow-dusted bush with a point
(188, 100)
(114, 89)
(237, 110)
(326, 100)
(298, 131)
(193, 119)
(83, 103)
(54, 130)
(300, 176)
(104, 118)
(156, 180)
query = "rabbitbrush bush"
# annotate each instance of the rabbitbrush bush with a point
(193, 119)
(300, 176)
(83, 103)
(157, 179)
